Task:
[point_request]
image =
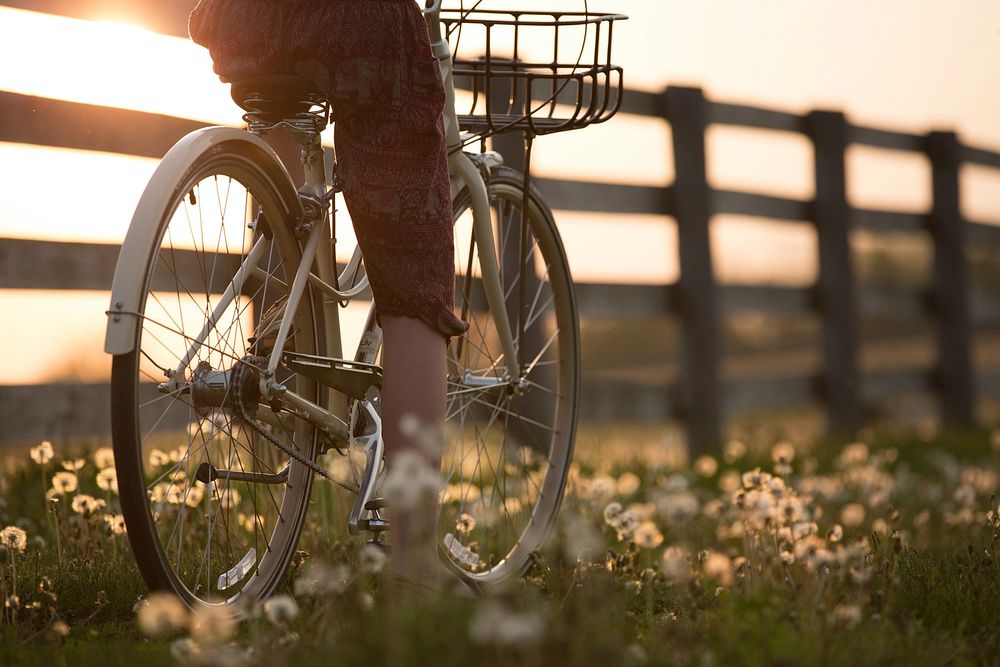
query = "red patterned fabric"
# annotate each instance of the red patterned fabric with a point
(373, 58)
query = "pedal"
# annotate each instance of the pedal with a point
(374, 525)
(376, 504)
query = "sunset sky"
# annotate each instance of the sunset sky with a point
(911, 65)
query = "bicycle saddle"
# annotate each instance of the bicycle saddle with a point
(276, 96)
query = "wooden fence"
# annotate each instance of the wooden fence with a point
(700, 397)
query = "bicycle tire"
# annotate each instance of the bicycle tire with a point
(257, 540)
(539, 423)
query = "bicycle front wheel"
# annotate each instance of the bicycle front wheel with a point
(509, 441)
(212, 508)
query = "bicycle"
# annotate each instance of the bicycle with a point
(229, 380)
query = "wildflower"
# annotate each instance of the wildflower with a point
(466, 523)
(74, 465)
(847, 615)
(719, 567)
(675, 564)
(835, 534)
(281, 609)
(104, 457)
(116, 522)
(371, 559)
(86, 505)
(64, 482)
(852, 515)
(14, 538)
(161, 614)
(107, 480)
(647, 535)
(628, 483)
(706, 465)
(43, 453)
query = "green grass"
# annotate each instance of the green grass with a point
(923, 589)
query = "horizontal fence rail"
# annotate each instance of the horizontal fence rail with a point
(698, 390)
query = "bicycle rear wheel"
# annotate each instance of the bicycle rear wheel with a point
(509, 441)
(213, 510)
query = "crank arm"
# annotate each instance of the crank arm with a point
(373, 449)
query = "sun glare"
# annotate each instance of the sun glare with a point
(110, 63)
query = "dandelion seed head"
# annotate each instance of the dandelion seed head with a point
(729, 481)
(847, 615)
(628, 483)
(675, 564)
(612, 513)
(734, 451)
(74, 465)
(493, 623)
(371, 559)
(719, 567)
(116, 523)
(647, 535)
(64, 482)
(783, 452)
(411, 480)
(104, 457)
(161, 614)
(321, 579)
(158, 458)
(86, 504)
(835, 534)
(852, 515)
(281, 610)
(706, 465)
(854, 454)
(14, 538)
(107, 480)
(465, 523)
(210, 623)
(42, 453)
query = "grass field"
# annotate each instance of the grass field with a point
(773, 553)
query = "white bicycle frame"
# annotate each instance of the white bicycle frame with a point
(316, 268)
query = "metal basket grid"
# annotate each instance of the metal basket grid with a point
(517, 88)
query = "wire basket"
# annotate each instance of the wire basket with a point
(536, 72)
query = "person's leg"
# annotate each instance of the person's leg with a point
(413, 390)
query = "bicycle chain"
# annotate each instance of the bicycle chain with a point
(259, 428)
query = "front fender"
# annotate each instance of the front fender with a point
(145, 231)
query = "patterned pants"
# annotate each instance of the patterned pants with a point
(373, 59)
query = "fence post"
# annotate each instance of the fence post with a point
(687, 111)
(835, 286)
(949, 288)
